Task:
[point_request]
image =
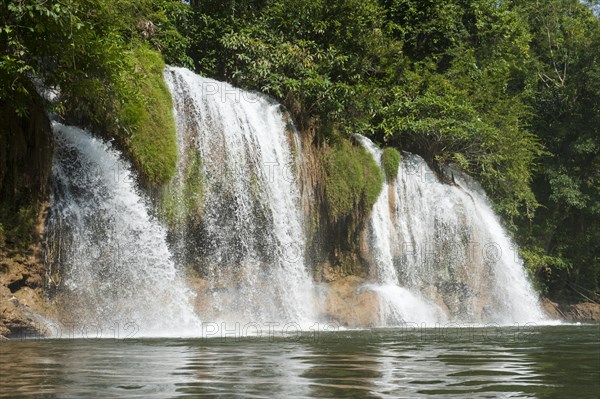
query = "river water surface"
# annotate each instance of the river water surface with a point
(541, 362)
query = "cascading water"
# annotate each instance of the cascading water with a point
(248, 246)
(398, 304)
(440, 252)
(445, 252)
(116, 271)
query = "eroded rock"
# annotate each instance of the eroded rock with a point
(349, 305)
(579, 312)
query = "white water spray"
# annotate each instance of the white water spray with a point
(398, 304)
(116, 269)
(250, 242)
(441, 249)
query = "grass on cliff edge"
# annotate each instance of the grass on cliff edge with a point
(353, 179)
(152, 140)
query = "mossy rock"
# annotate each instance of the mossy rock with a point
(148, 117)
(353, 179)
(182, 202)
(391, 162)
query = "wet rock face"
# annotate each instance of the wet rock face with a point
(580, 312)
(586, 311)
(25, 166)
(335, 248)
(349, 306)
(22, 300)
(13, 318)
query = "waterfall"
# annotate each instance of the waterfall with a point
(398, 304)
(109, 259)
(248, 246)
(237, 234)
(442, 253)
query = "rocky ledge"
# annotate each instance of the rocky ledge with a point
(22, 299)
(579, 312)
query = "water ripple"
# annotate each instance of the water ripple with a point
(555, 362)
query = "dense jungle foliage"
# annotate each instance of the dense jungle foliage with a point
(509, 90)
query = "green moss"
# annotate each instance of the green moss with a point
(391, 162)
(148, 118)
(193, 192)
(183, 201)
(353, 179)
(168, 208)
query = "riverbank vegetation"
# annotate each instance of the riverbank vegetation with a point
(509, 91)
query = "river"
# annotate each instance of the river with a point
(533, 361)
